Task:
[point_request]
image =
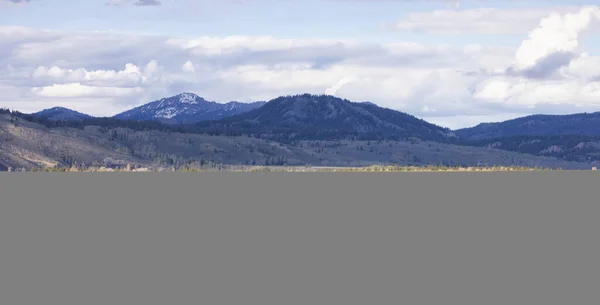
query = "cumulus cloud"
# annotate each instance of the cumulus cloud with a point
(584, 66)
(555, 40)
(549, 70)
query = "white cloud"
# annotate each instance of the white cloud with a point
(152, 68)
(188, 67)
(556, 34)
(77, 90)
(130, 76)
(584, 66)
(527, 93)
(460, 121)
(479, 21)
(333, 90)
(209, 46)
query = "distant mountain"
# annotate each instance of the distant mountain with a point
(61, 114)
(312, 117)
(185, 108)
(586, 124)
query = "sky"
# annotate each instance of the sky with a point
(453, 63)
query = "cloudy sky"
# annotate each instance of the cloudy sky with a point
(452, 63)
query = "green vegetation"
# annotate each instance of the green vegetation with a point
(587, 124)
(289, 119)
(579, 148)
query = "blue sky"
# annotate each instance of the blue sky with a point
(452, 63)
(300, 19)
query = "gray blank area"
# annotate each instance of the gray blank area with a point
(300, 238)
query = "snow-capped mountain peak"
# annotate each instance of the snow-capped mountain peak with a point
(185, 108)
(188, 98)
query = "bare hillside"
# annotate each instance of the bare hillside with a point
(25, 144)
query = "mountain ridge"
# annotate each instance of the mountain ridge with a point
(587, 124)
(308, 116)
(331, 115)
(292, 117)
(185, 108)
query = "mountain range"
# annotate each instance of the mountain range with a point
(287, 118)
(326, 123)
(30, 142)
(312, 115)
(185, 108)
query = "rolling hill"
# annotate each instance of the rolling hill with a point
(61, 114)
(586, 124)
